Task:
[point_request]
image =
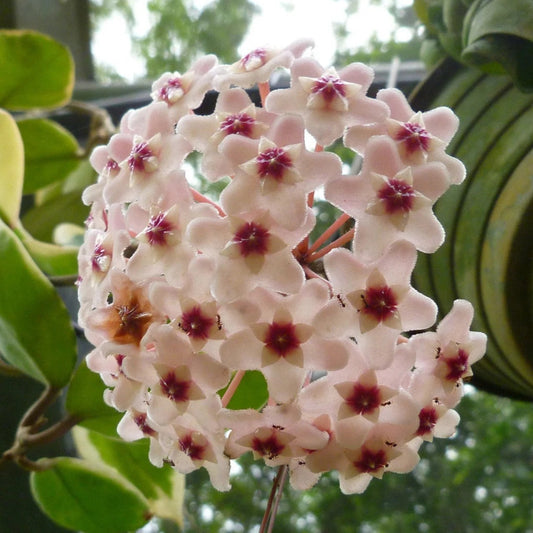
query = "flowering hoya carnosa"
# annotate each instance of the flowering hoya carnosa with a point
(182, 295)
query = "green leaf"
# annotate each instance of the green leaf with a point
(498, 35)
(51, 153)
(163, 487)
(36, 335)
(11, 168)
(85, 497)
(41, 220)
(252, 392)
(35, 71)
(52, 259)
(85, 400)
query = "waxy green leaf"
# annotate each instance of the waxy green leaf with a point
(51, 153)
(252, 392)
(35, 71)
(11, 168)
(41, 220)
(36, 335)
(163, 487)
(52, 259)
(86, 497)
(85, 400)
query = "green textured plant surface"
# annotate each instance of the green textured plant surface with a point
(85, 497)
(162, 487)
(11, 168)
(36, 335)
(35, 71)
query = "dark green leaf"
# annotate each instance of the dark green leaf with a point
(52, 259)
(35, 71)
(84, 497)
(41, 220)
(51, 153)
(36, 335)
(498, 35)
(85, 400)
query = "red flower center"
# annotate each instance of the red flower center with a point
(414, 137)
(398, 196)
(175, 389)
(252, 238)
(269, 447)
(139, 156)
(158, 230)
(170, 90)
(196, 324)
(255, 59)
(100, 259)
(281, 338)
(192, 449)
(239, 124)
(329, 87)
(457, 365)
(427, 419)
(111, 168)
(379, 302)
(371, 461)
(364, 399)
(272, 163)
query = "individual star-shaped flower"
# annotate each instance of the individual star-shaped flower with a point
(358, 391)
(249, 251)
(419, 137)
(376, 300)
(327, 100)
(435, 418)
(184, 92)
(183, 376)
(391, 201)
(124, 320)
(194, 440)
(283, 344)
(276, 434)
(449, 353)
(99, 254)
(385, 449)
(276, 172)
(257, 66)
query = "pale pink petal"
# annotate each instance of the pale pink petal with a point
(241, 351)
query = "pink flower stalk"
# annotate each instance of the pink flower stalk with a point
(183, 295)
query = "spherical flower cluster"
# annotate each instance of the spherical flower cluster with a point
(182, 296)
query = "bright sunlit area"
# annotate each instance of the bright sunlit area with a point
(342, 25)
